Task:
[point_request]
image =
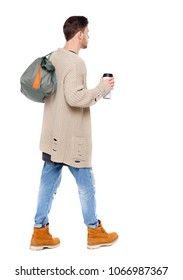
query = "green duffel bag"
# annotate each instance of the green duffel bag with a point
(39, 80)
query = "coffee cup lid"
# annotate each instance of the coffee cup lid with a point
(107, 75)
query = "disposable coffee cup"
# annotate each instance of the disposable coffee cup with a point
(106, 76)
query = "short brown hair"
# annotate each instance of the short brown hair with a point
(73, 25)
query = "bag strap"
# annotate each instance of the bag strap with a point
(54, 80)
(48, 55)
(46, 64)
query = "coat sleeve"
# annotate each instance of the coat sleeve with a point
(75, 89)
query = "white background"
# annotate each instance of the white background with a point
(137, 136)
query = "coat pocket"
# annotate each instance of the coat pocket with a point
(79, 149)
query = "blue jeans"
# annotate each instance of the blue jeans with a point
(50, 181)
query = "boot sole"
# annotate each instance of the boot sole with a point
(101, 245)
(39, 248)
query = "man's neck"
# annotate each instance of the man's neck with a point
(72, 47)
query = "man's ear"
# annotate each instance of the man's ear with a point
(80, 35)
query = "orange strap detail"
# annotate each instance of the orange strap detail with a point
(37, 79)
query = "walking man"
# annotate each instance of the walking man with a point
(66, 138)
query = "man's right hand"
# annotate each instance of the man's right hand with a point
(108, 81)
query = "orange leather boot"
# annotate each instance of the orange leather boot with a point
(98, 237)
(42, 239)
